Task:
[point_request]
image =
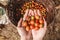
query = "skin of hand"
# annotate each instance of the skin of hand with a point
(39, 34)
(22, 32)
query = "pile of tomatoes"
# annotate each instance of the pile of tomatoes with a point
(34, 5)
(33, 22)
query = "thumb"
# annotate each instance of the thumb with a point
(19, 23)
(45, 24)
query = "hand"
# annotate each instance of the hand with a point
(22, 32)
(39, 34)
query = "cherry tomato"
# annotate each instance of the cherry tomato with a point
(28, 18)
(41, 21)
(37, 17)
(36, 24)
(32, 18)
(41, 25)
(32, 22)
(37, 21)
(24, 24)
(31, 26)
(27, 28)
(36, 28)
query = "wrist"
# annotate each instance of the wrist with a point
(23, 38)
(37, 38)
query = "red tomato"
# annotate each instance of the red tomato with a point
(27, 28)
(37, 21)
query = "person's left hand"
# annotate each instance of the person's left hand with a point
(40, 33)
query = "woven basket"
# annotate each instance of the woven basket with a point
(15, 16)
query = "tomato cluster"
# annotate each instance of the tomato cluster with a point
(34, 5)
(33, 22)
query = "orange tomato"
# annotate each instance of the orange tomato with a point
(31, 26)
(32, 22)
(27, 28)
(37, 17)
(41, 25)
(32, 18)
(36, 24)
(41, 21)
(28, 18)
(24, 24)
(36, 28)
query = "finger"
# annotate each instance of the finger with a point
(38, 12)
(26, 14)
(45, 24)
(34, 32)
(30, 32)
(35, 12)
(19, 23)
(31, 12)
(21, 31)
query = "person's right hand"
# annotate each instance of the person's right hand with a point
(22, 32)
